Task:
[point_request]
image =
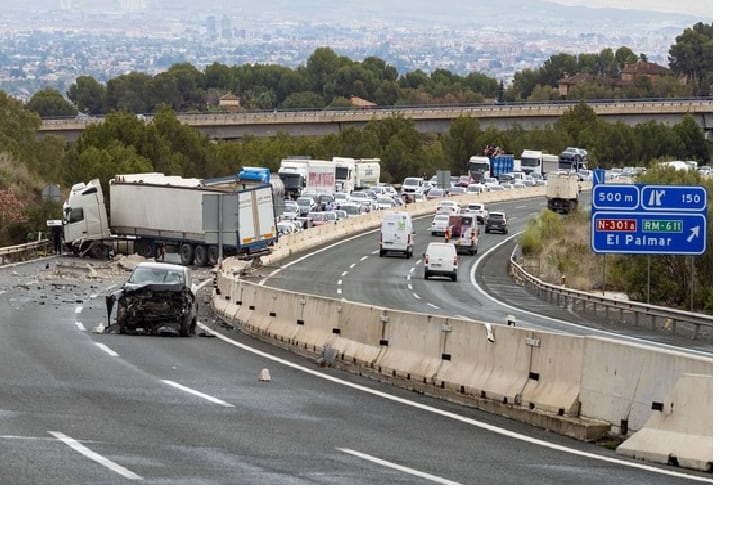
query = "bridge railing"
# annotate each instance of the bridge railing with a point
(22, 252)
(653, 317)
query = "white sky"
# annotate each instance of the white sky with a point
(690, 7)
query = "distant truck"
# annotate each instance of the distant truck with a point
(484, 167)
(573, 159)
(355, 174)
(151, 213)
(531, 163)
(549, 164)
(562, 193)
(302, 174)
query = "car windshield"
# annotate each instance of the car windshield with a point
(304, 201)
(155, 275)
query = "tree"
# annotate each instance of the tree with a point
(691, 56)
(88, 95)
(461, 142)
(48, 102)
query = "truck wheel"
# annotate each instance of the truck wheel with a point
(145, 248)
(212, 255)
(185, 253)
(201, 255)
(97, 251)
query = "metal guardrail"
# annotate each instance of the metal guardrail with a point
(22, 252)
(656, 318)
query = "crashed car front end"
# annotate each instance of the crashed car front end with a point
(156, 299)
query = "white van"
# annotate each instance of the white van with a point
(441, 259)
(396, 234)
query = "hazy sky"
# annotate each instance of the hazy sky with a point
(699, 8)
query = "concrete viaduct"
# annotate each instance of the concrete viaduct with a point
(428, 119)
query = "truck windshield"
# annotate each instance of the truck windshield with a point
(478, 166)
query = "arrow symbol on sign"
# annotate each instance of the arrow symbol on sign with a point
(694, 234)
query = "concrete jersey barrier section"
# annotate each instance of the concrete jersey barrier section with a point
(583, 387)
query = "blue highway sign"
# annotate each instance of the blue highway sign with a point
(649, 219)
(673, 198)
(616, 196)
(648, 233)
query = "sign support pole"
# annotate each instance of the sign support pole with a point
(648, 279)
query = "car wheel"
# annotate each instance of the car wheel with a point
(426, 275)
(187, 328)
(382, 253)
(454, 277)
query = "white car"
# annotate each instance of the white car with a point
(441, 259)
(476, 189)
(384, 203)
(449, 207)
(341, 198)
(439, 224)
(477, 209)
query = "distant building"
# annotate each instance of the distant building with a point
(230, 102)
(632, 71)
(628, 77)
(361, 103)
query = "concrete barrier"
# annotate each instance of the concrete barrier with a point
(555, 372)
(413, 345)
(619, 384)
(361, 333)
(679, 431)
(317, 320)
(469, 356)
(546, 379)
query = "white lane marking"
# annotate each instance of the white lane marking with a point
(460, 418)
(408, 277)
(31, 283)
(343, 274)
(3, 291)
(395, 466)
(352, 266)
(433, 306)
(196, 393)
(106, 349)
(93, 296)
(339, 291)
(79, 309)
(42, 438)
(87, 452)
(588, 329)
(80, 326)
(310, 254)
(364, 258)
(416, 296)
(411, 271)
(409, 286)
(419, 261)
(339, 281)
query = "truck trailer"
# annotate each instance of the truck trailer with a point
(484, 167)
(152, 213)
(562, 193)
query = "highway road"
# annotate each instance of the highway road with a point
(81, 406)
(352, 269)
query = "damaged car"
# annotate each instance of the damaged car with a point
(157, 298)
